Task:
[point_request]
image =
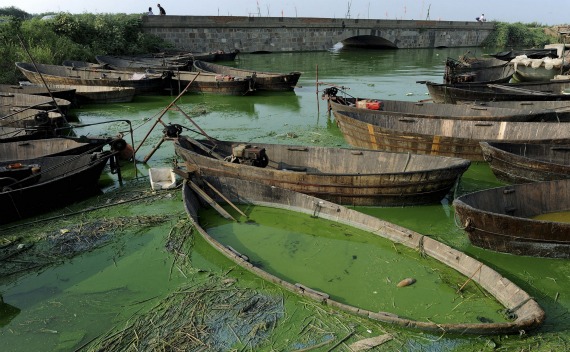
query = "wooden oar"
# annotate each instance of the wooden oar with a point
(209, 200)
(224, 198)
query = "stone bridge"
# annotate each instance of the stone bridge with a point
(285, 34)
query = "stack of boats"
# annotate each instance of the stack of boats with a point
(522, 130)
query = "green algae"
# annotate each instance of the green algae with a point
(353, 266)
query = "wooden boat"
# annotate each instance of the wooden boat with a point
(382, 107)
(347, 176)
(503, 219)
(82, 64)
(99, 94)
(483, 70)
(141, 64)
(144, 83)
(520, 162)
(530, 53)
(529, 315)
(38, 102)
(222, 55)
(559, 109)
(50, 182)
(30, 118)
(29, 88)
(271, 81)
(537, 70)
(37, 148)
(211, 83)
(447, 137)
(532, 91)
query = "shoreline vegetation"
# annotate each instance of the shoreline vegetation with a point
(53, 37)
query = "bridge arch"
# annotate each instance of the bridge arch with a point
(369, 41)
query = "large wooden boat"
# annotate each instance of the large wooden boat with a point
(271, 81)
(28, 88)
(141, 64)
(442, 136)
(383, 107)
(530, 53)
(482, 70)
(347, 176)
(503, 219)
(144, 83)
(47, 183)
(38, 102)
(532, 91)
(210, 83)
(99, 94)
(526, 311)
(521, 162)
(37, 148)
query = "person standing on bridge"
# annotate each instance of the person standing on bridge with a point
(481, 18)
(150, 13)
(161, 10)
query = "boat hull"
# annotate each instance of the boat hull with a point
(346, 176)
(521, 163)
(500, 219)
(64, 180)
(442, 136)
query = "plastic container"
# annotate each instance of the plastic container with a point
(161, 178)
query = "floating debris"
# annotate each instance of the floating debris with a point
(406, 282)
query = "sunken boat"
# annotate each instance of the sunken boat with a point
(523, 308)
(510, 219)
(342, 175)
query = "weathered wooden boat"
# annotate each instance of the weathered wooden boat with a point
(37, 148)
(50, 182)
(38, 102)
(29, 88)
(532, 91)
(504, 219)
(521, 162)
(559, 109)
(447, 137)
(82, 64)
(530, 53)
(537, 70)
(526, 311)
(141, 64)
(99, 94)
(482, 70)
(144, 83)
(211, 83)
(382, 107)
(270, 81)
(31, 118)
(347, 176)
(222, 55)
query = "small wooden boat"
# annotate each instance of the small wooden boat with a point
(144, 83)
(37, 148)
(38, 102)
(504, 219)
(99, 94)
(447, 137)
(210, 83)
(520, 162)
(141, 64)
(29, 88)
(33, 186)
(271, 81)
(559, 109)
(527, 312)
(347, 176)
(482, 70)
(382, 107)
(222, 55)
(30, 118)
(532, 91)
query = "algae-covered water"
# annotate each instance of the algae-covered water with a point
(353, 266)
(125, 268)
